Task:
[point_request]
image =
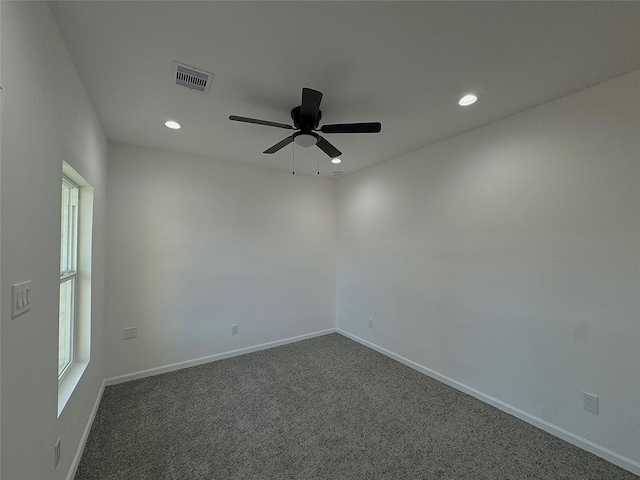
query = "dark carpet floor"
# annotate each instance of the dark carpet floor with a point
(325, 408)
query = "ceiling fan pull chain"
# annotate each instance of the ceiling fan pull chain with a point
(318, 150)
(293, 159)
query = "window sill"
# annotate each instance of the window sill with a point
(69, 383)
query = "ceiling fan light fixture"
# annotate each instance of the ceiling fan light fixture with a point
(172, 125)
(468, 99)
(336, 160)
(305, 139)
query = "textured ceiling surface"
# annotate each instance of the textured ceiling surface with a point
(403, 64)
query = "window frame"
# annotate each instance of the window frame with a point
(83, 305)
(69, 271)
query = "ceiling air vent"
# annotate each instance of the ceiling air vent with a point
(192, 78)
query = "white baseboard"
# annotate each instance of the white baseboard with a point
(583, 443)
(85, 435)
(211, 358)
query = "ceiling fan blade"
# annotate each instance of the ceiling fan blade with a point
(327, 148)
(370, 127)
(236, 118)
(279, 145)
(310, 105)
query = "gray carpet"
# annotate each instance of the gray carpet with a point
(325, 408)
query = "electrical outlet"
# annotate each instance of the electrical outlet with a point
(56, 453)
(131, 332)
(234, 329)
(370, 320)
(589, 402)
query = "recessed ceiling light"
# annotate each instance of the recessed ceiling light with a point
(336, 160)
(468, 99)
(173, 125)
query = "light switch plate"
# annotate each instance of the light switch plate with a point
(20, 298)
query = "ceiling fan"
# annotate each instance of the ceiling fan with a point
(306, 118)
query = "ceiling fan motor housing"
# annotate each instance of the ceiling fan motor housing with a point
(304, 124)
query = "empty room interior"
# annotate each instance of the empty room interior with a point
(379, 240)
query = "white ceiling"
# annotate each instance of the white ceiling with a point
(403, 64)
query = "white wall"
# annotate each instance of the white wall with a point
(196, 245)
(46, 118)
(507, 259)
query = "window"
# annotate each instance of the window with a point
(68, 275)
(74, 315)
